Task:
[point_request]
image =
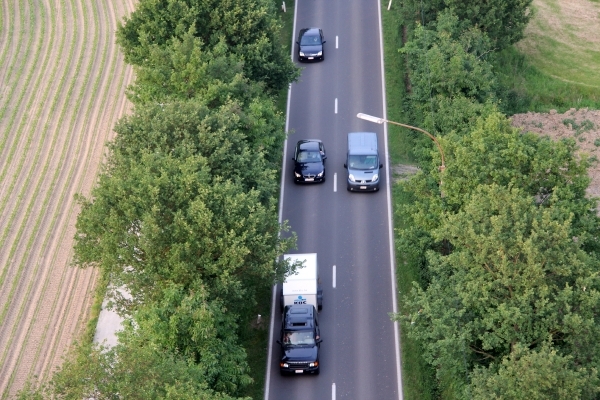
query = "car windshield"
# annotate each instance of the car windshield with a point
(298, 338)
(310, 40)
(362, 162)
(308, 156)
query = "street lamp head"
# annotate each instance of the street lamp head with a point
(370, 118)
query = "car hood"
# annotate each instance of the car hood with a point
(300, 353)
(363, 174)
(311, 49)
(309, 168)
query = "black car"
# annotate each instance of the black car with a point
(309, 158)
(300, 340)
(310, 45)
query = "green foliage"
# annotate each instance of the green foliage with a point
(503, 21)
(248, 28)
(184, 198)
(502, 246)
(510, 251)
(199, 328)
(515, 275)
(534, 374)
(449, 61)
(134, 369)
(585, 125)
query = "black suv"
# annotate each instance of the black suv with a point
(310, 45)
(300, 340)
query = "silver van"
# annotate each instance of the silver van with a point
(362, 162)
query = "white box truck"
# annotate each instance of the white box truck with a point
(304, 286)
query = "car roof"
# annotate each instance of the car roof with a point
(308, 144)
(299, 317)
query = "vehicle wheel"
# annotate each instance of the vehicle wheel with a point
(282, 373)
(317, 371)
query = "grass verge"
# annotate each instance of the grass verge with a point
(417, 376)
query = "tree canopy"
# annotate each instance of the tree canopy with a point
(248, 28)
(516, 266)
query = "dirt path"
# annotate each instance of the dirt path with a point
(62, 84)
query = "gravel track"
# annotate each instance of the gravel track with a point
(62, 85)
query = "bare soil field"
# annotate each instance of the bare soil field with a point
(62, 85)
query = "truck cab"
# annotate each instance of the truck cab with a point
(300, 340)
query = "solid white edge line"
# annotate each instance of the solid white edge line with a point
(389, 207)
(333, 391)
(334, 276)
(335, 182)
(281, 193)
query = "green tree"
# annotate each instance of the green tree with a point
(514, 275)
(541, 374)
(249, 28)
(214, 78)
(134, 369)
(448, 62)
(183, 198)
(496, 153)
(503, 21)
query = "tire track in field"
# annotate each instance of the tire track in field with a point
(62, 94)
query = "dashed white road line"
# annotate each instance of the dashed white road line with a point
(336, 105)
(334, 276)
(335, 182)
(336, 42)
(333, 391)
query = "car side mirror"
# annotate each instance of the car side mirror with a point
(293, 158)
(298, 43)
(345, 165)
(380, 165)
(324, 41)
(319, 341)
(278, 341)
(324, 157)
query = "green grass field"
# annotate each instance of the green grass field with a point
(557, 64)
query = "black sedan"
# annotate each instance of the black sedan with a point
(309, 158)
(310, 45)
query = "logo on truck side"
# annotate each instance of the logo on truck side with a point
(300, 300)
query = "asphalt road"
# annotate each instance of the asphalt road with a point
(350, 232)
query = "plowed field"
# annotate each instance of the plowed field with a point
(62, 85)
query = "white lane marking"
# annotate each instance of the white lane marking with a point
(334, 276)
(389, 217)
(336, 105)
(334, 183)
(333, 391)
(336, 42)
